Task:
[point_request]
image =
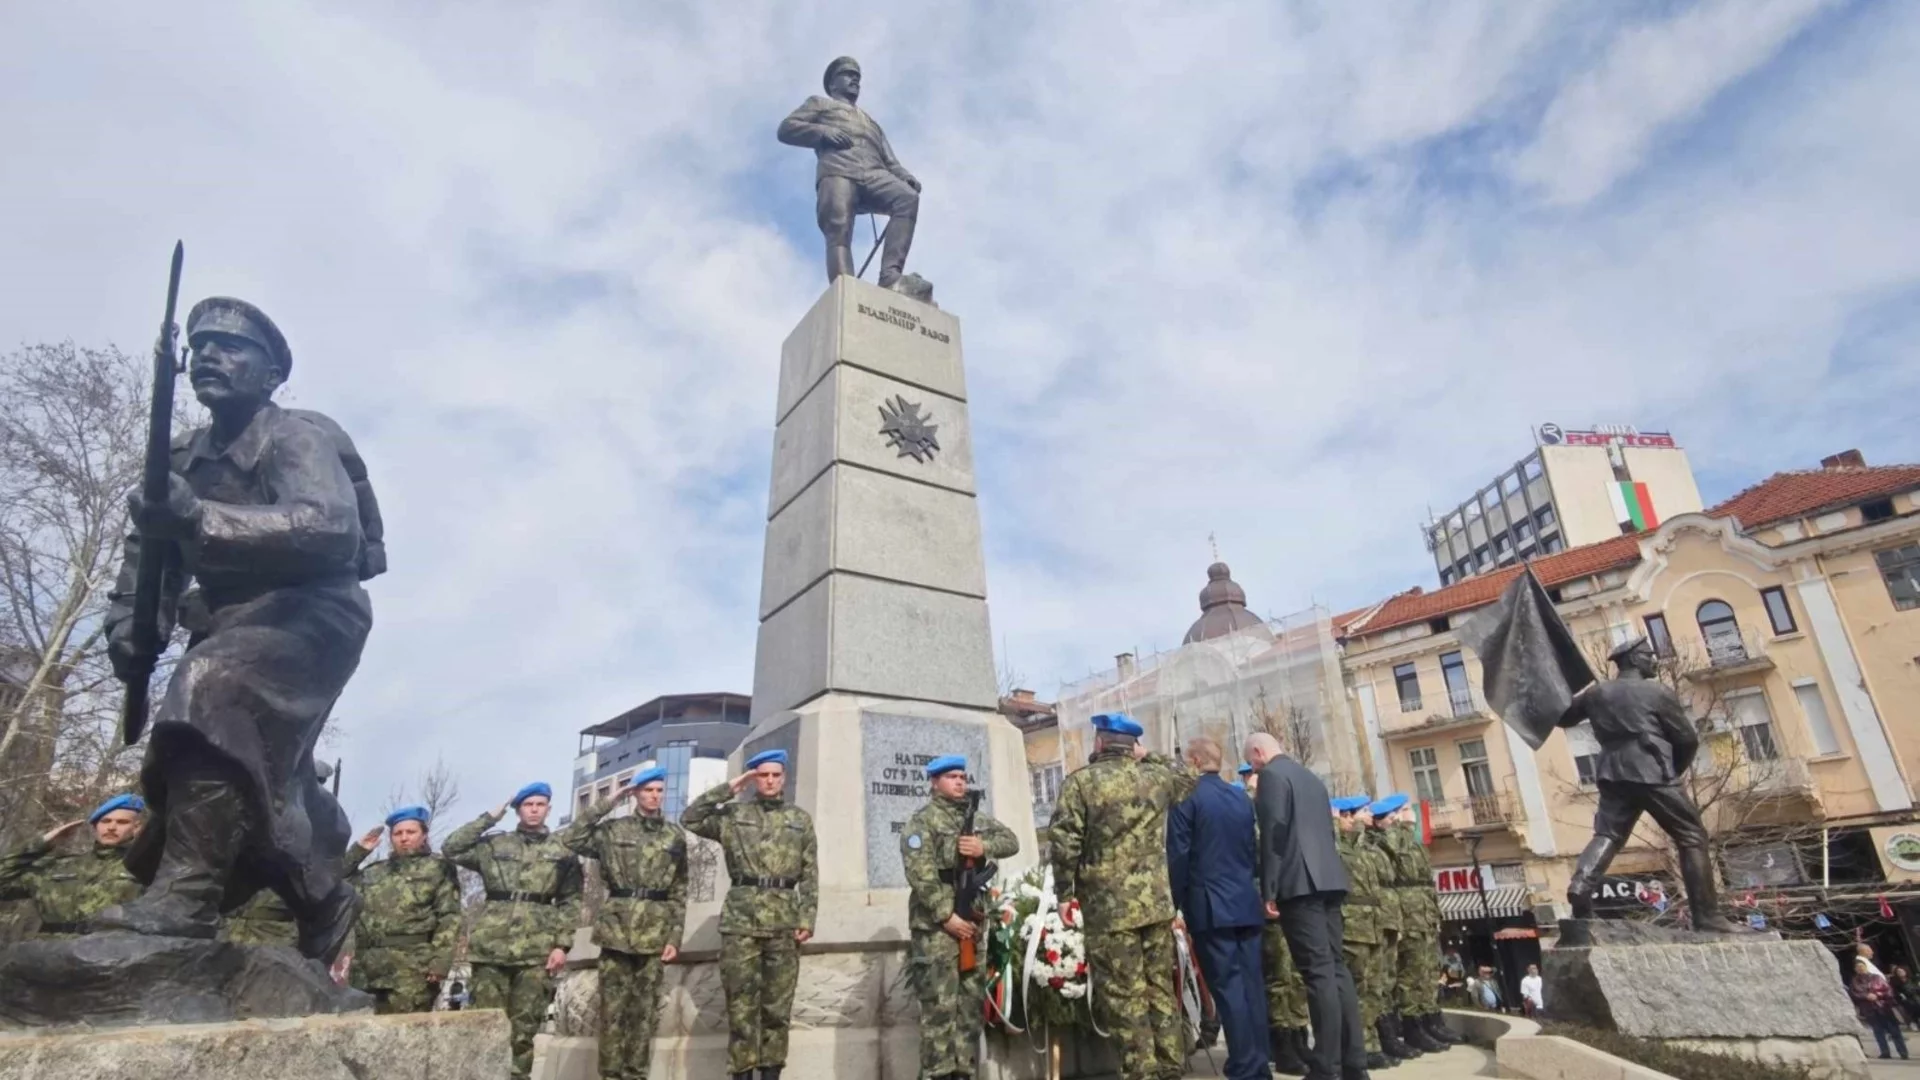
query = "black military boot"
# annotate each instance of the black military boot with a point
(1435, 1025)
(771, 1072)
(1390, 1041)
(1416, 1036)
(205, 821)
(1377, 1061)
(748, 1075)
(1284, 1054)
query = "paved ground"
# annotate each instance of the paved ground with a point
(1456, 1063)
(1894, 1068)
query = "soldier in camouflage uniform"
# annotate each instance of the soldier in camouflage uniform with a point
(66, 889)
(520, 938)
(931, 848)
(406, 932)
(769, 910)
(643, 861)
(1109, 852)
(1392, 919)
(1417, 982)
(1287, 1017)
(1360, 941)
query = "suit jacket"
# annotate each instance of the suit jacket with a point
(1642, 727)
(1298, 854)
(1211, 857)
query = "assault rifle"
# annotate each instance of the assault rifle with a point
(155, 554)
(970, 878)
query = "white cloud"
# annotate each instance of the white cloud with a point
(1229, 267)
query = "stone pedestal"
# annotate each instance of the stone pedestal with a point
(1752, 996)
(470, 1045)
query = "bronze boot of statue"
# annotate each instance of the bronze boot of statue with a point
(204, 825)
(1703, 899)
(1587, 871)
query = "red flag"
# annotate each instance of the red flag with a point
(1886, 909)
(1426, 823)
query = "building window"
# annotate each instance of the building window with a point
(1544, 517)
(1877, 510)
(1446, 576)
(1755, 723)
(1550, 543)
(1901, 568)
(1658, 637)
(1722, 633)
(1510, 484)
(674, 757)
(1454, 670)
(1523, 530)
(1819, 724)
(1778, 611)
(1586, 752)
(1473, 509)
(1426, 775)
(1046, 783)
(1502, 544)
(1479, 776)
(1407, 681)
(1482, 558)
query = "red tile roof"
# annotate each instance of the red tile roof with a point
(1416, 605)
(1806, 492)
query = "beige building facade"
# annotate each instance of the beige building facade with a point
(1788, 618)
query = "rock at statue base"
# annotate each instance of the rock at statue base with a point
(117, 979)
(1747, 995)
(469, 1045)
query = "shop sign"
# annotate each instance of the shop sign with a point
(1899, 848)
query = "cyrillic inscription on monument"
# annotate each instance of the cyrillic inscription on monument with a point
(894, 755)
(905, 320)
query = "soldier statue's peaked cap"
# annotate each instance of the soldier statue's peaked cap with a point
(768, 757)
(647, 776)
(1389, 804)
(128, 801)
(410, 813)
(946, 763)
(1629, 647)
(538, 787)
(1118, 723)
(1347, 804)
(237, 318)
(840, 63)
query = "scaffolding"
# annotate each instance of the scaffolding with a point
(1281, 676)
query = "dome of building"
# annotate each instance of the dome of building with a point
(1223, 609)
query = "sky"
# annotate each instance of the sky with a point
(1283, 274)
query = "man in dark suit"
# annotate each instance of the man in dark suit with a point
(1210, 861)
(1301, 877)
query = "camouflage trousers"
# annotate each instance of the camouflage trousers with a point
(758, 975)
(1363, 960)
(245, 930)
(397, 979)
(629, 1012)
(523, 992)
(951, 1015)
(1416, 988)
(1286, 993)
(1133, 998)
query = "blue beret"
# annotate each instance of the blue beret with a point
(945, 764)
(538, 787)
(1240, 784)
(409, 813)
(1118, 723)
(1246, 769)
(648, 776)
(1389, 804)
(119, 802)
(1347, 804)
(768, 757)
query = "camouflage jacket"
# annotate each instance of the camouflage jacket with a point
(533, 892)
(1413, 879)
(1109, 838)
(263, 920)
(929, 848)
(1392, 903)
(1361, 912)
(411, 914)
(643, 861)
(771, 860)
(66, 888)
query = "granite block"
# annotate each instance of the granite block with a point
(857, 323)
(840, 421)
(1744, 990)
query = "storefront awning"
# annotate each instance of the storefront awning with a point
(1504, 901)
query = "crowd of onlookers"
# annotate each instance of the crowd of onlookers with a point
(1886, 1001)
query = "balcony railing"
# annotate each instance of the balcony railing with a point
(1464, 704)
(1729, 655)
(1410, 704)
(1476, 812)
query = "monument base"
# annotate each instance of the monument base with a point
(1746, 995)
(469, 1045)
(117, 979)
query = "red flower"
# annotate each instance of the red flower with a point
(1053, 956)
(1056, 982)
(1081, 970)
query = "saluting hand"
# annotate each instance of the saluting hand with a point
(739, 782)
(970, 847)
(62, 831)
(501, 810)
(372, 839)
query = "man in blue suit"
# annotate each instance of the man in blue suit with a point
(1212, 866)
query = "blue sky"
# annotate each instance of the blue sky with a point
(1283, 273)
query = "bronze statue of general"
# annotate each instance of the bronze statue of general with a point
(857, 173)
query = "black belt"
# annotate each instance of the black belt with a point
(522, 897)
(639, 894)
(63, 928)
(396, 940)
(772, 882)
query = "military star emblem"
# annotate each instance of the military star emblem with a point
(907, 429)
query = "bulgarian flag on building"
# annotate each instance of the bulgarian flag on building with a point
(1632, 505)
(1423, 821)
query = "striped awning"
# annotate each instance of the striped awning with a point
(1505, 901)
